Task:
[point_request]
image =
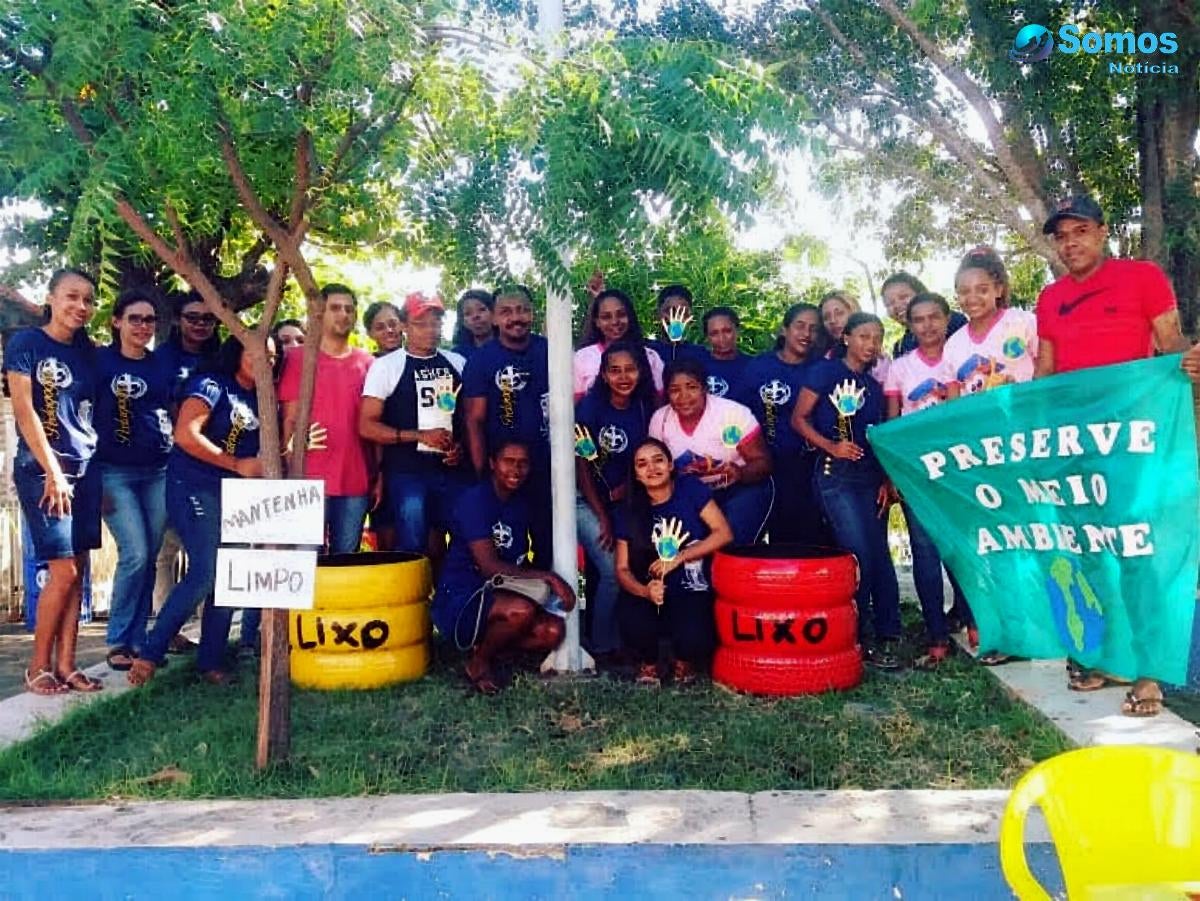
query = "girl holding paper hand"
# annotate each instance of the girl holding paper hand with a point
(840, 400)
(610, 422)
(666, 534)
(216, 438)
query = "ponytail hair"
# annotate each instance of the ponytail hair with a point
(80, 338)
(987, 260)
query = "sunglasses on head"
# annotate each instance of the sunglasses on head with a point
(199, 318)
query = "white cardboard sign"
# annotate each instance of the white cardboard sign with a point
(279, 579)
(272, 511)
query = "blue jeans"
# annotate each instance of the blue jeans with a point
(927, 575)
(135, 510)
(747, 507)
(195, 514)
(421, 501)
(344, 518)
(606, 631)
(849, 495)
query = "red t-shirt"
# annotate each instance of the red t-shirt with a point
(1106, 318)
(336, 399)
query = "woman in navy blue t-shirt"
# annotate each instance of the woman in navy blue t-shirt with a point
(51, 377)
(133, 424)
(611, 420)
(216, 438)
(669, 529)
(840, 401)
(770, 387)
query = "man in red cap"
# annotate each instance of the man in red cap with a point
(409, 402)
(341, 458)
(1105, 311)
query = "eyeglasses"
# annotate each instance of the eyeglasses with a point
(199, 318)
(135, 319)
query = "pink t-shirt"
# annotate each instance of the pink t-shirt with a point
(587, 368)
(1005, 354)
(918, 381)
(722, 431)
(336, 399)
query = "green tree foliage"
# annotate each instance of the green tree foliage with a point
(595, 152)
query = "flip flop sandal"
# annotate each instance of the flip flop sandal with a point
(935, 657)
(115, 661)
(1141, 707)
(995, 658)
(142, 671)
(485, 683)
(647, 674)
(45, 683)
(81, 682)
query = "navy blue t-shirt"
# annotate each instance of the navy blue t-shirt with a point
(908, 341)
(770, 388)
(481, 514)
(232, 425)
(516, 384)
(670, 351)
(466, 351)
(689, 497)
(63, 379)
(615, 432)
(826, 378)
(181, 365)
(724, 376)
(133, 418)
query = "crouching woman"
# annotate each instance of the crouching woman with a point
(486, 599)
(665, 539)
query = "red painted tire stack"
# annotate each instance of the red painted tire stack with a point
(786, 621)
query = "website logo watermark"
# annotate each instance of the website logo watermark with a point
(1035, 43)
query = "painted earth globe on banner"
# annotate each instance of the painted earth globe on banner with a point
(1078, 613)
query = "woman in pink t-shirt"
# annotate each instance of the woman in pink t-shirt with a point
(610, 317)
(998, 346)
(916, 381)
(720, 441)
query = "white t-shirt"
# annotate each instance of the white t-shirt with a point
(1005, 354)
(587, 368)
(724, 427)
(430, 377)
(918, 381)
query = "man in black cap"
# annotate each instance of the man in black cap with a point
(1105, 311)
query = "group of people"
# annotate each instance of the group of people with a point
(681, 449)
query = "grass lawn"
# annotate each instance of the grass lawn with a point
(181, 739)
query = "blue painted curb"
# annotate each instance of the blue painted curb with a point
(942, 871)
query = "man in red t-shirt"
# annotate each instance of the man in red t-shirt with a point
(341, 460)
(1105, 311)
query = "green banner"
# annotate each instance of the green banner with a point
(1067, 508)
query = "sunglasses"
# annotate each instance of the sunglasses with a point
(135, 319)
(199, 318)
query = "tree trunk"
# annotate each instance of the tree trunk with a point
(1168, 115)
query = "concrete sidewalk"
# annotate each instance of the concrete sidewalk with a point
(534, 818)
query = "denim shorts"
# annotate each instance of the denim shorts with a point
(60, 537)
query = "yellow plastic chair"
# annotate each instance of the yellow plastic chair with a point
(1121, 817)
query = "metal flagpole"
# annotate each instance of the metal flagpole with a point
(569, 657)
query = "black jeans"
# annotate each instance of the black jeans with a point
(686, 618)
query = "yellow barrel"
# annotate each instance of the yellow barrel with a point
(369, 626)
